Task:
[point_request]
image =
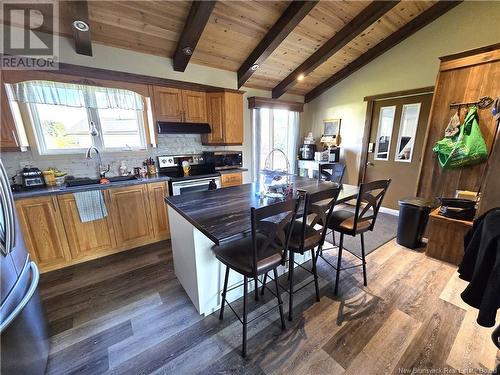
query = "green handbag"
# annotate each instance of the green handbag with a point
(467, 147)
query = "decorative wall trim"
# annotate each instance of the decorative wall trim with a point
(259, 102)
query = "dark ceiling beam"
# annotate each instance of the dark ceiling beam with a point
(193, 28)
(290, 18)
(356, 26)
(407, 30)
(80, 24)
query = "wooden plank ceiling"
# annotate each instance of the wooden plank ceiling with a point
(235, 29)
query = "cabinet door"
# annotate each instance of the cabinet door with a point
(86, 240)
(43, 231)
(8, 131)
(231, 179)
(215, 104)
(168, 104)
(233, 123)
(194, 106)
(130, 215)
(157, 192)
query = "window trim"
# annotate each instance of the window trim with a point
(92, 115)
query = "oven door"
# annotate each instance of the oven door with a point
(190, 186)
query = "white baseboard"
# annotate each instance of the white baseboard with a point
(389, 211)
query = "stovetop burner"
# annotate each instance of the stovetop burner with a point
(171, 166)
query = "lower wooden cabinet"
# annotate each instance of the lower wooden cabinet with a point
(157, 192)
(231, 179)
(56, 237)
(85, 240)
(43, 230)
(129, 208)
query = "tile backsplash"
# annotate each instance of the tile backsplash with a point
(78, 166)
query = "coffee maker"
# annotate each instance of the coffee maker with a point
(32, 177)
(306, 151)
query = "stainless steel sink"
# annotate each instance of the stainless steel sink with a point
(82, 181)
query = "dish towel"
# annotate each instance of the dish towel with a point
(90, 205)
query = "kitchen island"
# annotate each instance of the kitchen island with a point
(200, 220)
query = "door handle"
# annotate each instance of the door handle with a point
(370, 164)
(35, 277)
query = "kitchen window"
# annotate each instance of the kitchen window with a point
(62, 115)
(274, 129)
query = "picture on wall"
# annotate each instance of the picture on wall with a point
(331, 127)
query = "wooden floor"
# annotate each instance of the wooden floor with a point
(128, 314)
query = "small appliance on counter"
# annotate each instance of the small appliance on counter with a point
(308, 148)
(32, 177)
(307, 151)
(224, 159)
(201, 176)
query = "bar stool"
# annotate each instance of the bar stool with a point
(263, 251)
(362, 220)
(305, 237)
(333, 172)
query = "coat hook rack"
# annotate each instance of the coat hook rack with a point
(482, 103)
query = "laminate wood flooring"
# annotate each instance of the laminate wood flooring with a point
(128, 314)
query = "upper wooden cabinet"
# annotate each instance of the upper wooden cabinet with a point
(167, 104)
(8, 133)
(225, 116)
(194, 106)
(176, 105)
(43, 229)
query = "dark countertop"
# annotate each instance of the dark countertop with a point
(56, 190)
(234, 170)
(224, 214)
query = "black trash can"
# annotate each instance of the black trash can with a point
(413, 215)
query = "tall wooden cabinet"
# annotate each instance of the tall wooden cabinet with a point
(464, 77)
(225, 116)
(43, 229)
(176, 105)
(8, 133)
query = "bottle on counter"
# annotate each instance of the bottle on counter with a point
(123, 170)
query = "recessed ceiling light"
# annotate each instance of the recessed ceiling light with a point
(81, 25)
(300, 77)
(187, 51)
(254, 67)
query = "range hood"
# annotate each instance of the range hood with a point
(165, 127)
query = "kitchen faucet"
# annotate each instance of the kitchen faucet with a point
(88, 155)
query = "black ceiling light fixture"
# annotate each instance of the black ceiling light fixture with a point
(188, 51)
(81, 25)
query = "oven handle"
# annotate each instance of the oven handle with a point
(195, 182)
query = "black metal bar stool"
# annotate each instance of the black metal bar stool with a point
(263, 251)
(307, 235)
(362, 220)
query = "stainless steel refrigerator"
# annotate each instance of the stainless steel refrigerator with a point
(24, 345)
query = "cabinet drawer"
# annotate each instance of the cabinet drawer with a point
(231, 179)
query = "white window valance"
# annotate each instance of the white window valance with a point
(75, 95)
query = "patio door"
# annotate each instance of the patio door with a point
(397, 134)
